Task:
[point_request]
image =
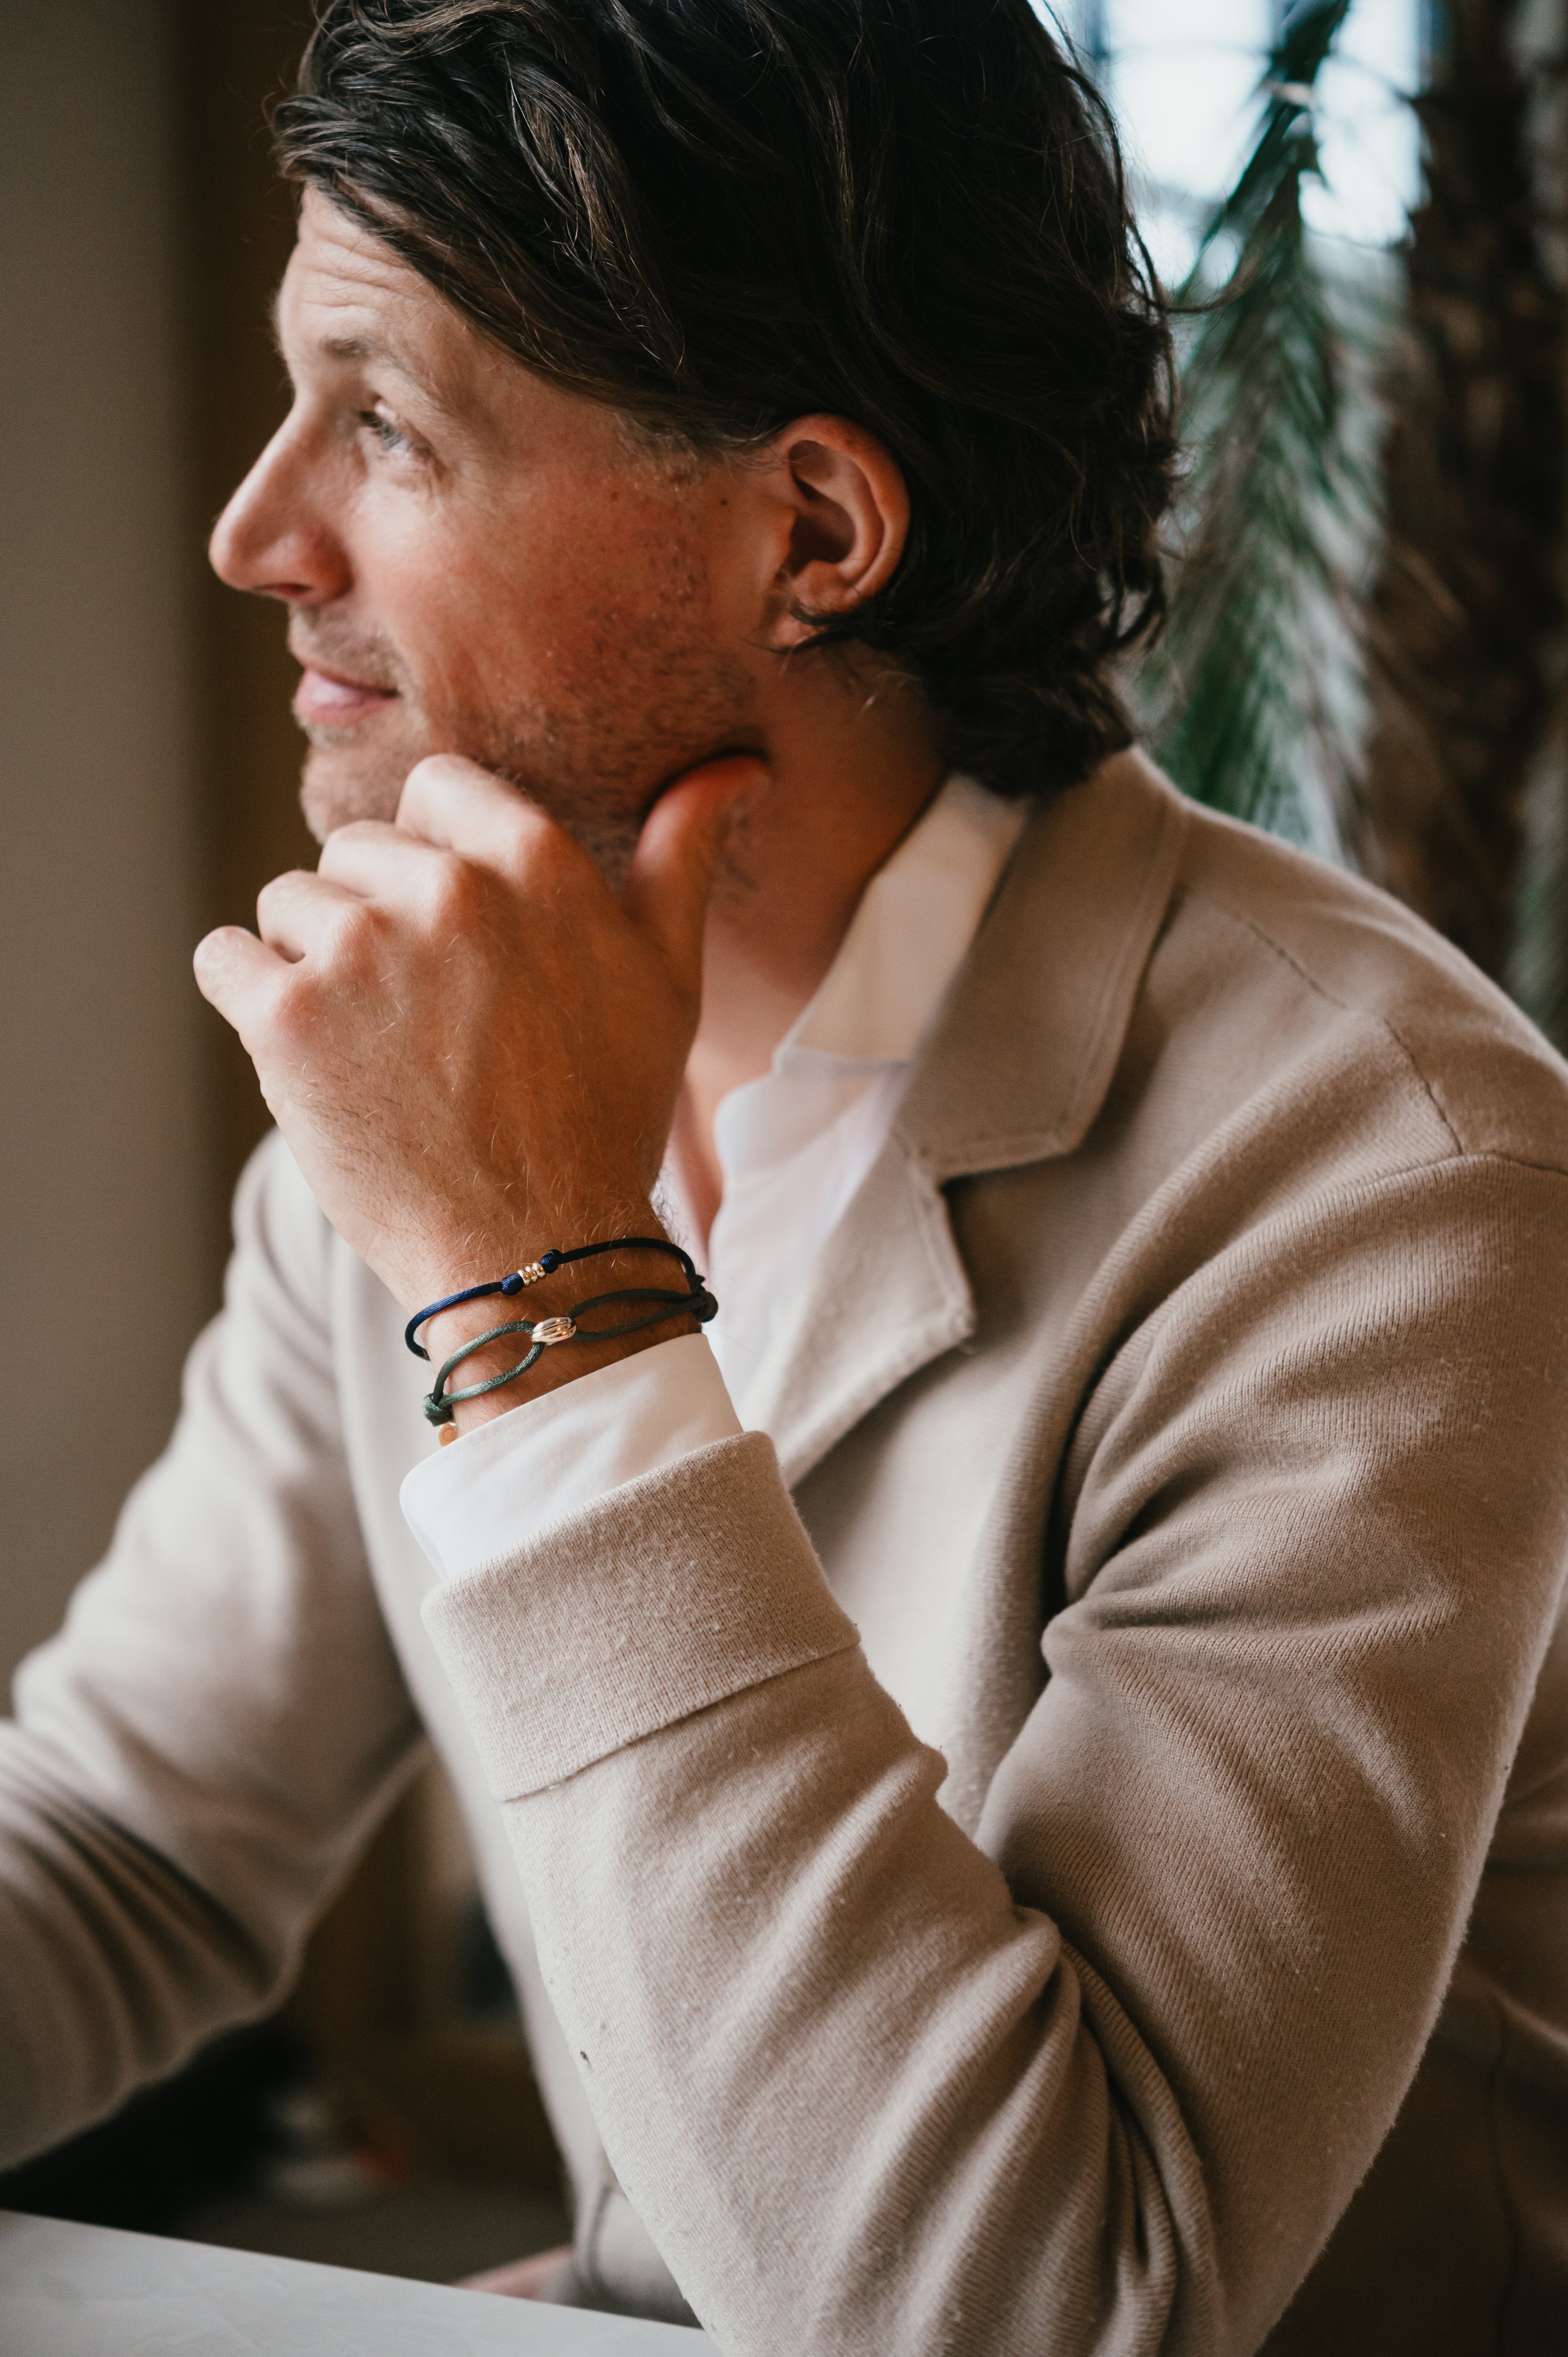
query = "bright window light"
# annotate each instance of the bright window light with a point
(1182, 78)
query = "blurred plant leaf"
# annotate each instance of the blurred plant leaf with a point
(1537, 961)
(1253, 697)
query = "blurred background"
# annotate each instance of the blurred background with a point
(148, 770)
(1360, 204)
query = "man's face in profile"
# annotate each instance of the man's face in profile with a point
(476, 561)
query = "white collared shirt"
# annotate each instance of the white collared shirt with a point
(793, 1148)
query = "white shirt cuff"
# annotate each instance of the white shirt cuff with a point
(481, 1498)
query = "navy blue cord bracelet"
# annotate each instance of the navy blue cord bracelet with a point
(546, 1266)
(696, 1301)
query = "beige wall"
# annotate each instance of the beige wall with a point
(148, 768)
(107, 1226)
(147, 760)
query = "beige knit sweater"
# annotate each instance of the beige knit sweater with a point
(1195, 1360)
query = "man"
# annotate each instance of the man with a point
(728, 440)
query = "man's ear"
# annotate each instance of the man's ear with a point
(849, 521)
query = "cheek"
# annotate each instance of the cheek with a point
(492, 617)
(413, 593)
(560, 611)
(597, 614)
(642, 606)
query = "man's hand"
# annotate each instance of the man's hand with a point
(472, 1046)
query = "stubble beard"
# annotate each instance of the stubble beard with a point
(596, 769)
(344, 780)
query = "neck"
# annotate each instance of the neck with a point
(846, 784)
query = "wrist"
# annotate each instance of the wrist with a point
(545, 1304)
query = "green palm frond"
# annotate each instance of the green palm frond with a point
(1538, 963)
(1254, 698)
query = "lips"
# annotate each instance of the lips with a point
(328, 699)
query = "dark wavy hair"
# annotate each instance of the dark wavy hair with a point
(718, 215)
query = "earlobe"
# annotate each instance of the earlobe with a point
(850, 519)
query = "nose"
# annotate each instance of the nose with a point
(275, 536)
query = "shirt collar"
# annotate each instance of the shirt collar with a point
(911, 931)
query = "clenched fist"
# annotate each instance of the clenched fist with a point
(472, 1046)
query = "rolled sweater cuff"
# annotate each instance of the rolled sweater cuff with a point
(664, 1597)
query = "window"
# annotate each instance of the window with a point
(1182, 78)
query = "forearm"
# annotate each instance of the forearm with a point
(810, 2017)
(861, 2100)
(199, 1752)
(113, 1967)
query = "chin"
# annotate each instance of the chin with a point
(345, 781)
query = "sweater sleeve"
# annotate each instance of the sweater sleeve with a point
(197, 1755)
(1104, 2077)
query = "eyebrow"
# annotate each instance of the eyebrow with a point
(377, 349)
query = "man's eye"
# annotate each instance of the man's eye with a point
(385, 430)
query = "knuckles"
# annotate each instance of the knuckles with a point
(549, 879)
(353, 973)
(455, 896)
(275, 899)
(357, 935)
(356, 834)
(434, 771)
(285, 1009)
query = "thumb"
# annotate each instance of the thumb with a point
(667, 887)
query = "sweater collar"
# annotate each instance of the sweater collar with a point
(1015, 1069)
(1020, 1059)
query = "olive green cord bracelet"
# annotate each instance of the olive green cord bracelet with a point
(542, 1332)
